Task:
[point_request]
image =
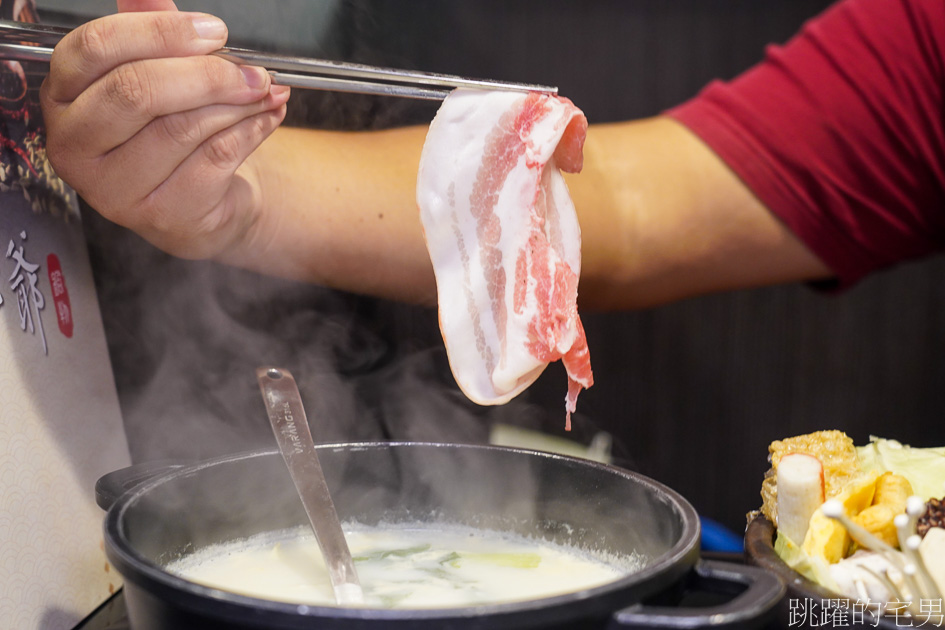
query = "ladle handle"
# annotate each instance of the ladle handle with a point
(751, 608)
(289, 423)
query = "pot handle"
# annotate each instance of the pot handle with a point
(749, 609)
(111, 486)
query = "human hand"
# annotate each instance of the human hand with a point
(153, 131)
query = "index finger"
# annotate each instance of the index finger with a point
(99, 46)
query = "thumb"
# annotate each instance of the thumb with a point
(146, 5)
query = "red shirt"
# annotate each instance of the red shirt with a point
(841, 134)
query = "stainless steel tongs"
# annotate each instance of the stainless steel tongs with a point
(35, 42)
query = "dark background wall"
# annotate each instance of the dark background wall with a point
(692, 392)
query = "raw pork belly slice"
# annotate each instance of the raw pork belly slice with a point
(504, 240)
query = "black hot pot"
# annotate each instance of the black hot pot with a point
(156, 514)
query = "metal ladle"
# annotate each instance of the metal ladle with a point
(287, 416)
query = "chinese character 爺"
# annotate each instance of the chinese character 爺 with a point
(29, 298)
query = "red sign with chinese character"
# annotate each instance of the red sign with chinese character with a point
(60, 295)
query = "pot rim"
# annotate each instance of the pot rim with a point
(760, 535)
(662, 571)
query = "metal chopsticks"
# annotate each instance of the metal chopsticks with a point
(35, 42)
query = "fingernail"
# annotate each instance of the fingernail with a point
(209, 27)
(280, 91)
(256, 78)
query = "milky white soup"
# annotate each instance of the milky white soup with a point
(403, 568)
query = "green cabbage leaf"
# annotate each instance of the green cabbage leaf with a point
(923, 467)
(814, 569)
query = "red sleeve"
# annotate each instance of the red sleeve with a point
(840, 132)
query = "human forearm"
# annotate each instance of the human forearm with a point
(339, 209)
(662, 218)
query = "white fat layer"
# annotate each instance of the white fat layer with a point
(488, 371)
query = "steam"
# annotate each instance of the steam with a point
(186, 342)
(186, 337)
